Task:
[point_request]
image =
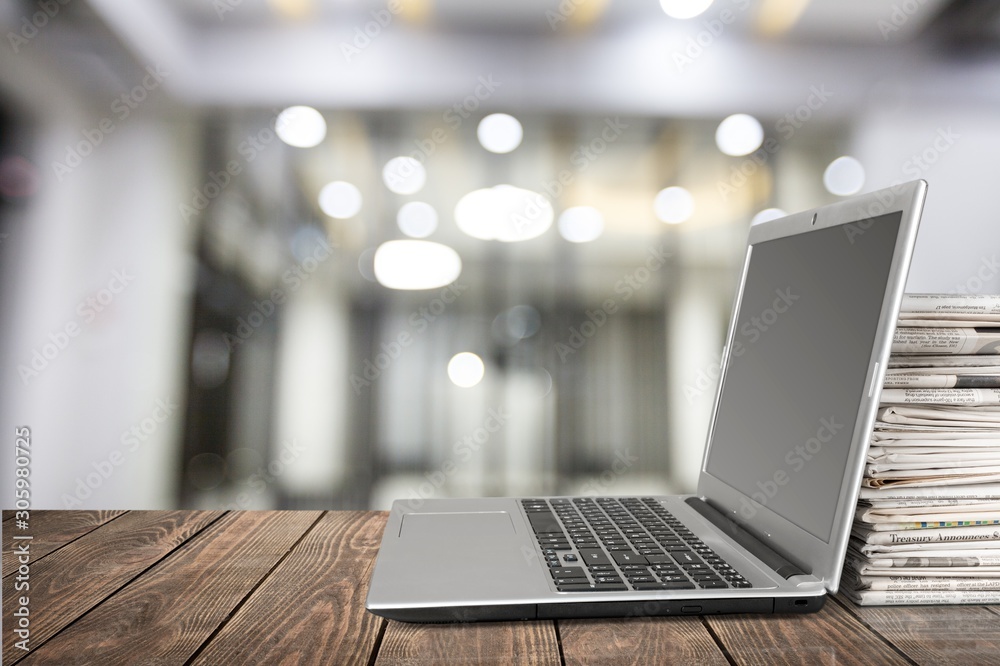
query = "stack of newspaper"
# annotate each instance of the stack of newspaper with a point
(927, 526)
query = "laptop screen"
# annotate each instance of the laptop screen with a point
(804, 335)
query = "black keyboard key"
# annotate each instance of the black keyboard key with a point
(641, 579)
(601, 567)
(712, 584)
(665, 586)
(593, 588)
(544, 522)
(569, 572)
(594, 556)
(628, 557)
(685, 557)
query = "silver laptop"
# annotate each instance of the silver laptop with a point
(767, 530)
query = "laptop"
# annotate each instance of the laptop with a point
(767, 530)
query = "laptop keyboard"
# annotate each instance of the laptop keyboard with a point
(620, 544)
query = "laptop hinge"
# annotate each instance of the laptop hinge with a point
(758, 548)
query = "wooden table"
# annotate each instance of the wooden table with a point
(281, 587)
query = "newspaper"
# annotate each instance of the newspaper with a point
(940, 396)
(921, 597)
(930, 468)
(866, 513)
(959, 548)
(932, 380)
(931, 453)
(866, 534)
(939, 519)
(931, 524)
(960, 492)
(936, 480)
(952, 415)
(860, 583)
(940, 361)
(946, 340)
(950, 304)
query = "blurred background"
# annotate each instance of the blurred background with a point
(327, 253)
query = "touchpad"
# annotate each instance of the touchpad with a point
(466, 525)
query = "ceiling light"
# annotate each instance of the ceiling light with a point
(673, 205)
(684, 9)
(844, 176)
(417, 219)
(465, 369)
(500, 133)
(767, 215)
(739, 134)
(340, 199)
(504, 213)
(416, 264)
(404, 175)
(581, 224)
(300, 126)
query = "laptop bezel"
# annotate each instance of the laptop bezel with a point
(824, 560)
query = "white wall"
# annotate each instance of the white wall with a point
(117, 212)
(954, 148)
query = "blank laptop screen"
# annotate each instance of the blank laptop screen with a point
(796, 376)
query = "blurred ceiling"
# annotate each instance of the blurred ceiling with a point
(571, 56)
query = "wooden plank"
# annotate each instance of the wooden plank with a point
(77, 577)
(831, 636)
(311, 609)
(532, 643)
(51, 530)
(211, 573)
(935, 634)
(639, 641)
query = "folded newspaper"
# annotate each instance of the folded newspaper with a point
(927, 524)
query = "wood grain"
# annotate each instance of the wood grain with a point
(639, 641)
(211, 573)
(480, 643)
(310, 610)
(77, 577)
(831, 636)
(935, 634)
(51, 530)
